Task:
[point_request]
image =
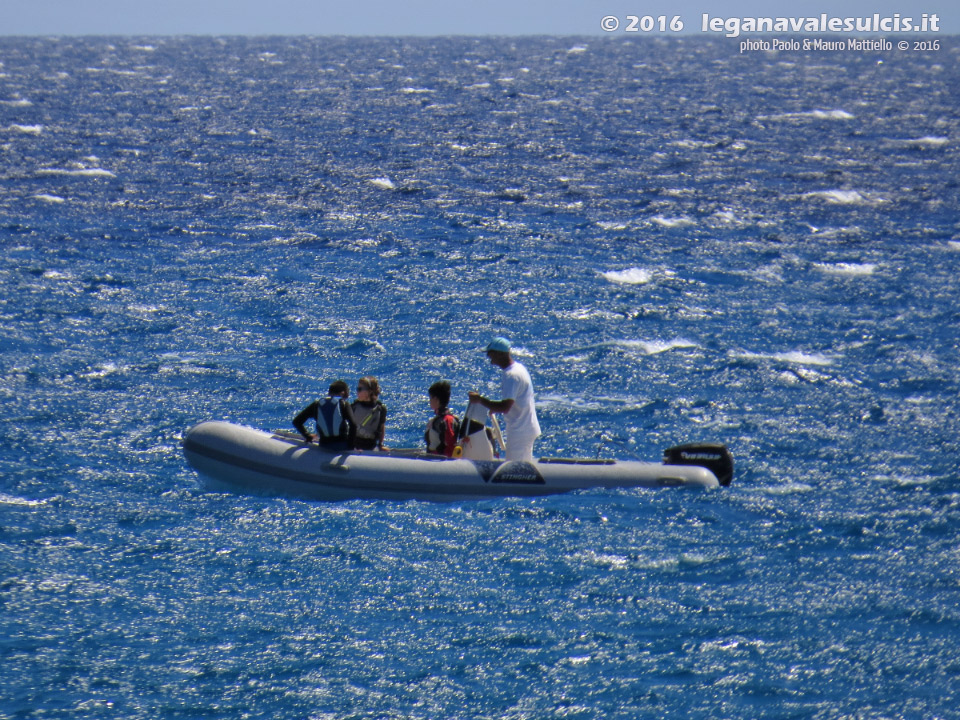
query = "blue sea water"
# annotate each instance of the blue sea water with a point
(684, 242)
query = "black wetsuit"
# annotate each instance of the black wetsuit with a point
(334, 420)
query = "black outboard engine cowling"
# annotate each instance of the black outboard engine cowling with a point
(713, 456)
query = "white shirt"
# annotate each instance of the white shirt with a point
(515, 384)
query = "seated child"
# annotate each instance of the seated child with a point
(443, 428)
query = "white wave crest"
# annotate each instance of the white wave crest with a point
(43, 197)
(847, 268)
(612, 225)
(691, 144)
(788, 487)
(727, 217)
(384, 183)
(606, 560)
(655, 347)
(647, 347)
(928, 141)
(830, 114)
(22, 502)
(672, 222)
(813, 114)
(838, 197)
(630, 276)
(793, 357)
(81, 172)
(27, 129)
(102, 371)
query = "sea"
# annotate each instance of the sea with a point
(684, 242)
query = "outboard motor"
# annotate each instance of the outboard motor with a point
(712, 456)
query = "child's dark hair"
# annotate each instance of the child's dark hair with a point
(441, 391)
(338, 387)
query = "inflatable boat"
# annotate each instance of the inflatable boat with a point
(233, 456)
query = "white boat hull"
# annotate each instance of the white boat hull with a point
(238, 457)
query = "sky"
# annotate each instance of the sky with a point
(415, 17)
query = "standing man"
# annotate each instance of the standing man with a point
(517, 403)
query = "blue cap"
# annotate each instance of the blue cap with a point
(500, 344)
